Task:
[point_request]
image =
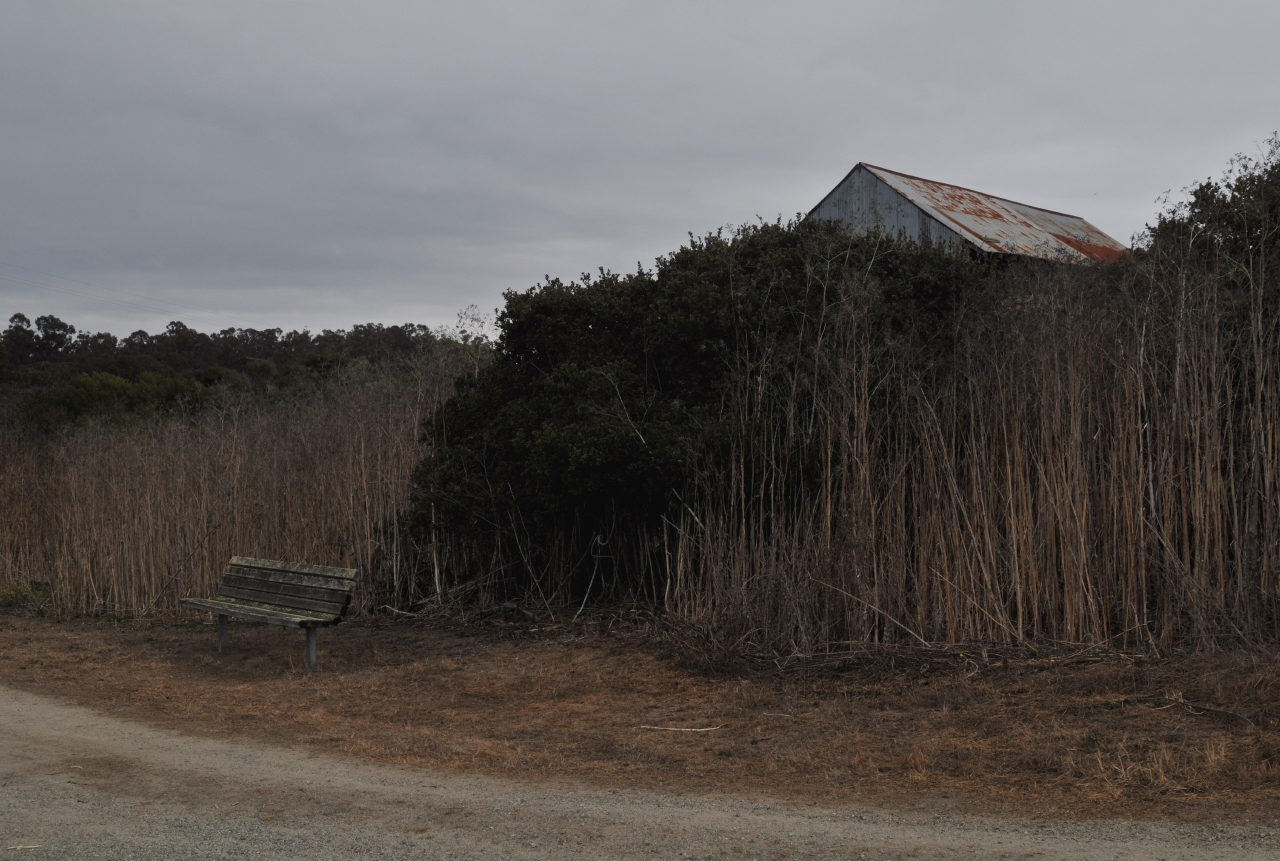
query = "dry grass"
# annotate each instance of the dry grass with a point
(125, 520)
(1070, 735)
(1096, 464)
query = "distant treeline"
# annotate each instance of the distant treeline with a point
(52, 375)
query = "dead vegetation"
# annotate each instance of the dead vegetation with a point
(1095, 465)
(1066, 733)
(126, 519)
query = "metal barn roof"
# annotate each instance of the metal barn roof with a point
(873, 196)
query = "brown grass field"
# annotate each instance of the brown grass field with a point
(1075, 734)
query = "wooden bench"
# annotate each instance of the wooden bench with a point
(279, 593)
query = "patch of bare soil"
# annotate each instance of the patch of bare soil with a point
(1070, 735)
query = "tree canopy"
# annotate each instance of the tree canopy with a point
(52, 376)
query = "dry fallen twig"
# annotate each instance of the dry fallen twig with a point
(681, 728)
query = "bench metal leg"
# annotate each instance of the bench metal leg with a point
(311, 648)
(222, 634)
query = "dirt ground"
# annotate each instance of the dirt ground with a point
(1072, 736)
(76, 784)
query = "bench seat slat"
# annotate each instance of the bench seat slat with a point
(258, 612)
(289, 602)
(295, 567)
(312, 580)
(276, 587)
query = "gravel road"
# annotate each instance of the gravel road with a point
(75, 784)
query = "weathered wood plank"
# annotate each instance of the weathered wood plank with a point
(313, 580)
(275, 587)
(258, 612)
(291, 602)
(226, 608)
(306, 615)
(296, 567)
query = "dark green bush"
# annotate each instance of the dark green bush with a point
(612, 400)
(1233, 223)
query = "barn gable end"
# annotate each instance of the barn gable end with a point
(928, 211)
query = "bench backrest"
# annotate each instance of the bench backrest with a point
(289, 584)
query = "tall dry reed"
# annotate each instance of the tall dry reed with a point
(126, 520)
(1096, 463)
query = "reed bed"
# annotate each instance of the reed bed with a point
(1096, 464)
(125, 520)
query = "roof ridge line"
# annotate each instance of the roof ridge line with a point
(966, 188)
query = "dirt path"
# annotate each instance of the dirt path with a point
(77, 784)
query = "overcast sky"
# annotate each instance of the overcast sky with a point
(318, 164)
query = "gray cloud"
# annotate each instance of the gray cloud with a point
(320, 164)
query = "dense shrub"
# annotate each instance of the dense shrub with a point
(614, 401)
(1232, 225)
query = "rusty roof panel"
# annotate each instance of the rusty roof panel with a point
(1000, 225)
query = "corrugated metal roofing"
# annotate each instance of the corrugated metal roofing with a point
(999, 225)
